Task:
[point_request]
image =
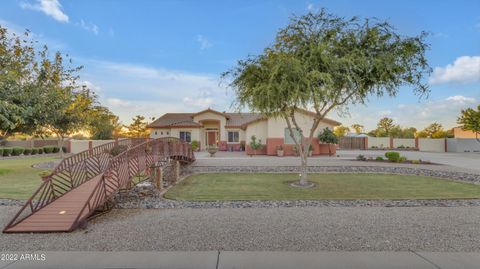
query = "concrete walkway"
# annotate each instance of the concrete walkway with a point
(228, 259)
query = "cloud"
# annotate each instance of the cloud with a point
(310, 6)
(130, 89)
(89, 27)
(51, 8)
(465, 69)
(204, 42)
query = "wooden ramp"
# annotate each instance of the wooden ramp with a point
(81, 184)
(60, 215)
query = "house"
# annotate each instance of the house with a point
(233, 131)
(458, 132)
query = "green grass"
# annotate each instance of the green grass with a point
(18, 179)
(334, 186)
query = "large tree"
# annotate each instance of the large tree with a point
(323, 62)
(103, 124)
(138, 128)
(470, 120)
(358, 128)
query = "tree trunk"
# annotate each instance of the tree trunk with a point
(60, 145)
(303, 169)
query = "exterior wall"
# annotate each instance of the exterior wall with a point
(276, 126)
(406, 142)
(379, 142)
(258, 129)
(429, 144)
(288, 149)
(463, 145)
(214, 116)
(459, 133)
(158, 133)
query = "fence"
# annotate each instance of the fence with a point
(463, 145)
(352, 143)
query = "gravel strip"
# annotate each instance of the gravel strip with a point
(255, 229)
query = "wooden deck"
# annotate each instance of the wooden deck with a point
(60, 215)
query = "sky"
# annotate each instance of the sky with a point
(152, 57)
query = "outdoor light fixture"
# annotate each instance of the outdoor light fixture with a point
(62, 212)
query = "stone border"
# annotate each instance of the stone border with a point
(450, 175)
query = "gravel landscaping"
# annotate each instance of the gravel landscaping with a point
(295, 229)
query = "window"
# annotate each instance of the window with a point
(288, 138)
(167, 133)
(233, 137)
(186, 136)
(155, 132)
(161, 133)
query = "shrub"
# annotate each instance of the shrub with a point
(7, 151)
(254, 144)
(328, 136)
(195, 145)
(361, 158)
(16, 151)
(34, 151)
(56, 149)
(401, 147)
(48, 149)
(392, 156)
(64, 149)
(27, 151)
(402, 159)
(40, 150)
(379, 158)
(117, 150)
(416, 161)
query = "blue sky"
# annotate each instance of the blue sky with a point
(153, 57)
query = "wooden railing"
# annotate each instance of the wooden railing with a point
(69, 174)
(116, 172)
(124, 167)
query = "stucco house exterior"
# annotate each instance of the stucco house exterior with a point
(233, 131)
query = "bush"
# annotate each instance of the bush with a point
(40, 150)
(64, 149)
(361, 158)
(328, 136)
(27, 151)
(401, 147)
(34, 151)
(402, 159)
(7, 151)
(416, 161)
(195, 145)
(16, 151)
(392, 156)
(48, 149)
(56, 149)
(379, 158)
(117, 150)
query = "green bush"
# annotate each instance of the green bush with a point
(40, 150)
(16, 151)
(7, 151)
(34, 151)
(195, 145)
(64, 149)
(379, 158)
(56, 149)
(48, 149)
(27, 151)
(402, 159)
(392, 156)
(328, 136)
(361, 158)
(416, 161)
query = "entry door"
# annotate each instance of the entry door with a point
(211, 138)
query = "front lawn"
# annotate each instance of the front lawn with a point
(18, 179)
(334, 186)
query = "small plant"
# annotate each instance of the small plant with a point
(47, 149)
(27, 151)
(361, 158)
(374, 147)
(34, 151)
(402, 159)
(56, 149)
(255, 145)
(43, 174)
(7, 151)
(40, 150)
(392, 156)
(64, 149)
(195, 145)
(416, 161)
(16, 151)
(379, 158)
(116, 150)
(401, 147)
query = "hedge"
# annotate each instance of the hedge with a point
(7, 151)
(27, 151)
(40, 150)
(17, 151)
(48, 149)
(34, 151)
(56, 149)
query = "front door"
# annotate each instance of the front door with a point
(211, 138)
